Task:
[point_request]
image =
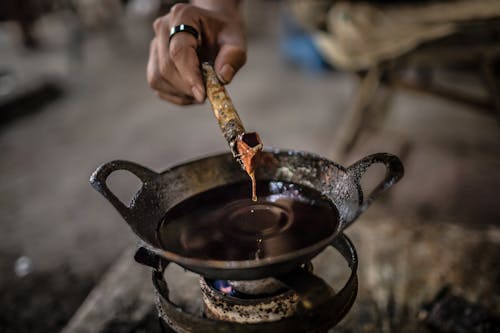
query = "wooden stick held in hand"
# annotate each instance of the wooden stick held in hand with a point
(245, 146)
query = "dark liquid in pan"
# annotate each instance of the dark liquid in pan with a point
(225, 224)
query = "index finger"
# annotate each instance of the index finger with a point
(181, 50)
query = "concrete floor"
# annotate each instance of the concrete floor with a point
(49, 212)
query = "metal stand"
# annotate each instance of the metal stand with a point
(320, 318)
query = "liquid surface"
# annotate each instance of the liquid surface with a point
(224, 224)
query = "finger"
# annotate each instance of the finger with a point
(229, 60)
(182, 50)
(183, 47)
(155, 79)
(186, 100)
(164, 64)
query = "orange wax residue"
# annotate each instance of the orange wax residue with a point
(249, 147)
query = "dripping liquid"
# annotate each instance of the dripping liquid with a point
(254, 186)
(249, 147)
(224, 224)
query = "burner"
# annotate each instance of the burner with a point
(248, 289)
(227, 304)
(297, 301)
(257, 287)
(224, 286)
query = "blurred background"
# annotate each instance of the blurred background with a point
(341, 80)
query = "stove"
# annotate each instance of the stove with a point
(297, 301)
(276, 291)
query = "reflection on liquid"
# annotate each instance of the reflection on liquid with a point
(224, 224)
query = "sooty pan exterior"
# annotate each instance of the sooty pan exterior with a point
(162, 191)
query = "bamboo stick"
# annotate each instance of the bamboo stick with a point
(245, 146)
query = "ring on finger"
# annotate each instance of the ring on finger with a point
(184, 28)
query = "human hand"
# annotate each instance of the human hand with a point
(174, 66)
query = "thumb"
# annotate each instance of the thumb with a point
(228, 61)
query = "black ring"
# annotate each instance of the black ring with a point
(184, 28)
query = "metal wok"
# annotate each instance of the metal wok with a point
(162, 191)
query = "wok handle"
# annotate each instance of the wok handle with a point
(394, 172)
(101, 174)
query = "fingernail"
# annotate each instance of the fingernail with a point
(198, 93)
(226, 73)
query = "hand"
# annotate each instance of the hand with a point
(174, 68)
